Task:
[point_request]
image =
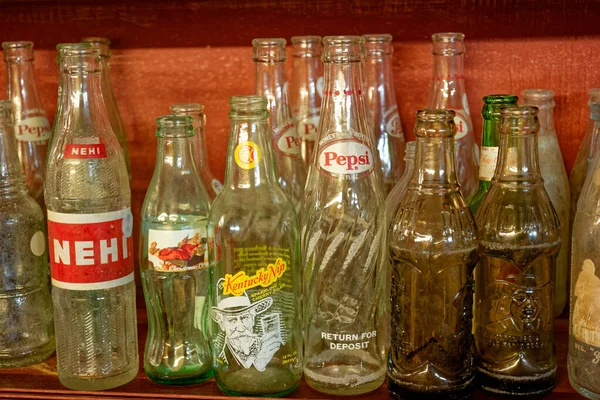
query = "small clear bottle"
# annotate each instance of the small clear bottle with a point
(394, 198)
(196, 111)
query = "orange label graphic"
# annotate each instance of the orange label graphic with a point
(247, 155)
(236, 284)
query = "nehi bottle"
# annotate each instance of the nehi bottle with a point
(343, 237)
(27, 334)
(255, 265)
(306, 91)
(269, 56)
(519, 238)
(394, 198)
(32, 128)
(448, 91)
(196, 111)
(556, 183)
(382, 108)
(90, 235)
(489, 143)
(174, 260)
(433, 250)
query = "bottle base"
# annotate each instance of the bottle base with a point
(272, 382)
(583, 391)
(35, 356)
(92, 384)
(516, 385)
(176, 380)
(340, 384)
(399, 391)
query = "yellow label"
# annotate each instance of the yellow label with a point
(237, 284)
(247, 155)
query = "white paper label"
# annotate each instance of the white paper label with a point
(346, 157)
(307, 127)
(393, 127)
(462, 127)
(487, 166)
(34, 129)
(38, 243)
(286, 140)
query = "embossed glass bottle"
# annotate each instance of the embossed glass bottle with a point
(269, 56)
(519, 239)
(255, 285)
(448, 91)
(382, 108)
(196, 111)
(394, 198)
(556, 183)
(174, 260)
(27, 334)
(433, 250)
(306, 91)
(343, 237)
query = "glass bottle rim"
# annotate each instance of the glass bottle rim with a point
(18, 51)
(23, 44)
(595, 111)
(378, 38)
(61, 46)
(594, 95)
(99, 42)
(308, 39)
(433, 114)
(187, 108)
(448, 37)
(269, 50)
(343, 40)
(500, 98)
(307, 46)
(518, 111)
(343, 49)
(538, 94)
(248, 106)
(378, 44)
(526, 115)
(167, 122)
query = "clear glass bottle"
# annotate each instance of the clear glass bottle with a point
(489, 144)
(433, 250)
(394, 198)
(519, 239)
(382, 108)
(269, 56)
(32, 128)
(343, 237)
(90, 235)
(110, 102)
(27, 334)
(257, 341)
(306, 91)
(556, 183)
(196, 111)
(447, 91)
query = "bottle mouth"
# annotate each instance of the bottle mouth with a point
(307, 46)
(541, 98)
(183, 108)
(61, 46)
(250, 106)
(500, 98)
(378, 45)
(435, 123)
(343, 49)
(448, 43)
(595, 111)
(174, 126)
(269, 50)
(519, 120)
(594, 95)
(101, 43)
(16, 52)
(76, 59)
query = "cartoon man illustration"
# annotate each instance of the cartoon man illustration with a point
(236, 317)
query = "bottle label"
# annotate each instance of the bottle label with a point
(348, 341)
(85, 150)
(180, 250)
(393, 126)
(90, 251)
(488, 161)
(348, 158)
(216, 186)
(462, 126)
(286, 140)
(38, 243)
(33, 129)
(247, 155)
(307, 127)
(585, 319)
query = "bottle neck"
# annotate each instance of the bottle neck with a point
(200, 139)
(174, 159)
(306, 72)
(12, 181)
(448, 84)
(491, 135)
(22, 91)
(518, 159)
(434, 163)
(271, 82)
(378, 74)
(546, 118)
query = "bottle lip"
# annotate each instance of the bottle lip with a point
(269, 50)
(432, 114)
(378, 38)
(448, 43)
(308, 39)
(76, 60)
(246, 106)
(595, 111)
(519, 120)
(343, 49)
(61, 46)
(99, 42)
(500, 98)
(594, 96)
(378, 44)
(178, 108)
(306, 46)
(448, 37)
(541, 98)
(519, 111)
(18, 51)
(175, 122)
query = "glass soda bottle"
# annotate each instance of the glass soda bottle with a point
(32, 128)
(174, 260)
(110, 102)
(519, 239)
(306, 91)
(27, 334)
(447, 91)
(269, 56)
(196, 111)
(90, 235)
(343, 237)
(433, 250)
(382, 108)
(489, 143)
(257, 343)
(394, 198)
(556, 183)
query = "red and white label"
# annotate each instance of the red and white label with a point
(85, 150)
(91, 251)
(487, 163)
(308, 126)
(346, 157)
(286, 140)
(393, 126)
(34, 129)
(462, 124)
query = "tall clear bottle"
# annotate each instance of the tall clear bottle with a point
(255, 265)
(433, 250)
(556, 183)
(90, 235)
(519, 239)
(32, 128)
(447, 91)
(196, 111)
(27, 334)
(394, 198)
(382, 108)
(343, 237)
(269, 56)
(306, 91)
(110, 102)
(174, 260)
(489, 144)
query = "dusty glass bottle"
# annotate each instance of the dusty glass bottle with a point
(90, 235)
(556, 183)
(110, 102)
(255, 286)
(196, 111)
(489, 143)
(519, 239)
(174, 260)
(382, 108)
(447, 91)
(433, 250)
(306, 91)
(32, 128)
(27, 334)
(269, 56)
(394, 198)
(343, 237)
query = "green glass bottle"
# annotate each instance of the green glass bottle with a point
(489, 143)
